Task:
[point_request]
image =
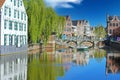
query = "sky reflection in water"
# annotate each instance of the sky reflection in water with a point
(66, 64)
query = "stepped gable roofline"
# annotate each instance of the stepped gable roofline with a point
(74, 23)
(111, 17)
(2, 2)
(67, 17)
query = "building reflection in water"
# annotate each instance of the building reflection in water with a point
(113, 63)
(77, 57)
(13, 67)
(82, 58)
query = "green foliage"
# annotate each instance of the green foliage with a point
(100, 31)
(99, 54)
(44, 68)
(42, 21)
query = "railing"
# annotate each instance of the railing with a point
(77, 39)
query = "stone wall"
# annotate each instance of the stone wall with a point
(115, 45)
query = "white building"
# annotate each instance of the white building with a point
(13, 26)
(13, 67)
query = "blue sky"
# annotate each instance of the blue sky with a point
(94, 11)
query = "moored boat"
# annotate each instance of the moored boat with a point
(82, 48)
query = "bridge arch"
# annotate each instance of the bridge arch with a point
(87, 43)
(72, 41)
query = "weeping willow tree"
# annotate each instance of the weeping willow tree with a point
(42, 21)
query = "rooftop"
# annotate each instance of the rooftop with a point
(111, 17)
(1, 3)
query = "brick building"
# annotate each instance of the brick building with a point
(68, 27)
(113, 25)
(83, 27)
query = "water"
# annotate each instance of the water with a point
(64, 64)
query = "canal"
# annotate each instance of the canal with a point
(63, 64)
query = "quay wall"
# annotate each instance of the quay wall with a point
(115, 45)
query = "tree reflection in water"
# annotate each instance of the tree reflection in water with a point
(44, 67)
(99, 54)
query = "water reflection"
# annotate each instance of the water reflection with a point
(113, 63)
(13, 67)
(64, 64)
(44, 67)
(80, 57)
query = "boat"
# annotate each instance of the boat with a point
(82, 48)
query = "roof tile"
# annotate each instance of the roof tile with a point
(1, 3)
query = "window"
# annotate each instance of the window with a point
(9, 11)
(24, 27)
(24, 16)
(14, 13)
(10, 25)
(14, 2)
(25, 40)
(19, 26)
(5, 24)
(21, 3)
(68, 24)
(117, 24)
(18, 14)
(10, 40)
(113, 24)
(15, 41)
(110, 24)
(15, 26)
(5, 11)
(21, 40)
(5, 39)
(110, 31)
(21, 15)
(18, 3)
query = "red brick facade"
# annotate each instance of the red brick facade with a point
(113, 25)
(68, 27)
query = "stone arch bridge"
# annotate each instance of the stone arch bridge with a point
(73, 42)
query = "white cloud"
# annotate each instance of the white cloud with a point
(62, 3)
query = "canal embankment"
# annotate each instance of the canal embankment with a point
(113, 44)
(49, 47)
